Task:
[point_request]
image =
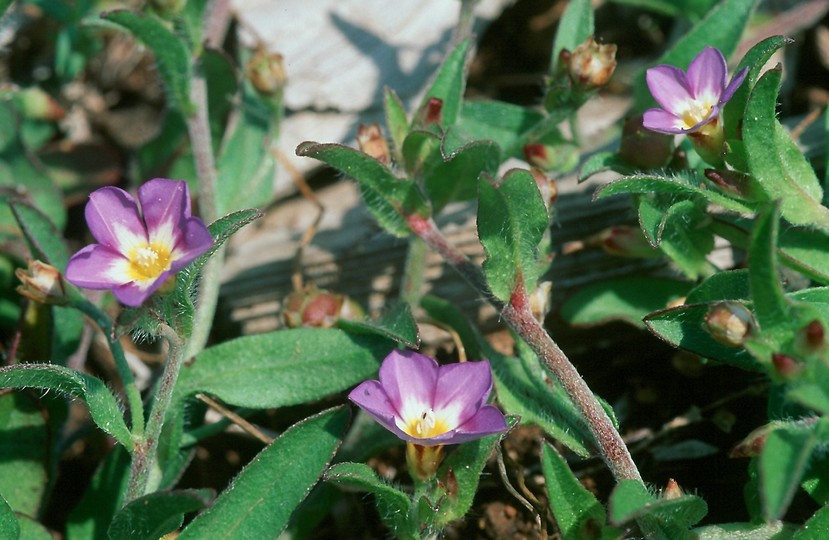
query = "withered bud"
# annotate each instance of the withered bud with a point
(371, 141)
(730, 323)
(42, 283)
(731, 181)
(590, 65)
(643, 148)
(672, 490)
(547, 186)
(266, 71)
(315, 307)
(540, 300)
(624, 241)
(563, 158)
(786, 366)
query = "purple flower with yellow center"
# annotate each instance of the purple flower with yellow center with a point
(138, 247)
(429, 405)
(691, 101)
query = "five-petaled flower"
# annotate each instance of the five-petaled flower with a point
(427, 404)
(138, 249)
(691, 101)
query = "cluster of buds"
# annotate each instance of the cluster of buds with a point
(590, 65)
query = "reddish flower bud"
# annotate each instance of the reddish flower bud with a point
(371, 141)
(753, 444)
(314, 307)
(562, 158)
(643, 148)
(433, 112)
(730, 323)
(624, 241)
(590, 65)
(786, 366)
(672, 490)
(814, 335)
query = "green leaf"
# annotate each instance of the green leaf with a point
(783, 463)
(103, 407)
(627, 501)
(727, 285)
(454, 175)
(575, 26)
(262, 497)
(386, 196)
(170, 51)
(684, 327)
(721, 28)
(102, 499)
(512, 219)
(283, 368)
(222, 82)
(465, 464)
(447, 313)
(803, 249)
(393, 506)
(816, 527)
(628, 299)
(32, 530)
(152, 516)
(397, 324)
(603, 161)
(755, 60)
(776, 163)
(658, 517)
(577, 511)
(448, 86)
(686, 240)
(396, 120)
(772, 309)
(24, 452)
(503, 123)
(45, 241)
(9, 527)
(246, 162)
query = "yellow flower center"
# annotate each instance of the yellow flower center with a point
(149, 261)
(696, 112)
(427, 425)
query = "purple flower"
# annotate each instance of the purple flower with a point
(138, 250)
(430, 405)
(690, 100)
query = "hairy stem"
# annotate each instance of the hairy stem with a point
(145, 455)
(517, 314)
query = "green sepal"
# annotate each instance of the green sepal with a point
(577, 511)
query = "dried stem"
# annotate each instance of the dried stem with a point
(517, 314)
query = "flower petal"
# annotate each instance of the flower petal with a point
(461, 390)
(669, 87)
(113, 218)
(195, 240)
(662, 122)
(489, 419)
(135, 293)
(706, 75)
(732, 87)
(409, 380)
(372, 398)
(165, 205)
(97, 267)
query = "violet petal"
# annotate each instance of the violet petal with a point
(163, 203)
(409, 379)
(97, 267)
(662, 121)
(135, 293)
(706, 75)
(732, 87)
(462, 389)
(194, 240)
(113, 218)
(669, 87)
(372, 398)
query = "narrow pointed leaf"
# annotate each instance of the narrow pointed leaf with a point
(388, 198)
(395, 120)
(103, 407)
(575, 26)
(772, 309)
(512, 219)
(152, 516)
(576, 509)
(102, 498)
(775, 161)
(500, 122)
(448, 86)
(262, 497)
(43, 236)
(783, 463)
(397, 324)
(283, 368)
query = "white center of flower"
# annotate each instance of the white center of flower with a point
(696, 112)
(149, 261)
(427, 425)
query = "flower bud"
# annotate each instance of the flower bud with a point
(730, 323)
(547, 186)
(624, 241)
(643, 148)
(423, 460)
(318, 308)
(672, 490)
(812, 337)
(371, 141)
(562, 158)
(42, 283)
(432, 112)
(786, 366)
(590, 65)
(266, 71)
(732, 181)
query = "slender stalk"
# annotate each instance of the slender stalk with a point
(198, 128)
(136, 406)
(466, 20)
(145, 455)
(517, 314)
